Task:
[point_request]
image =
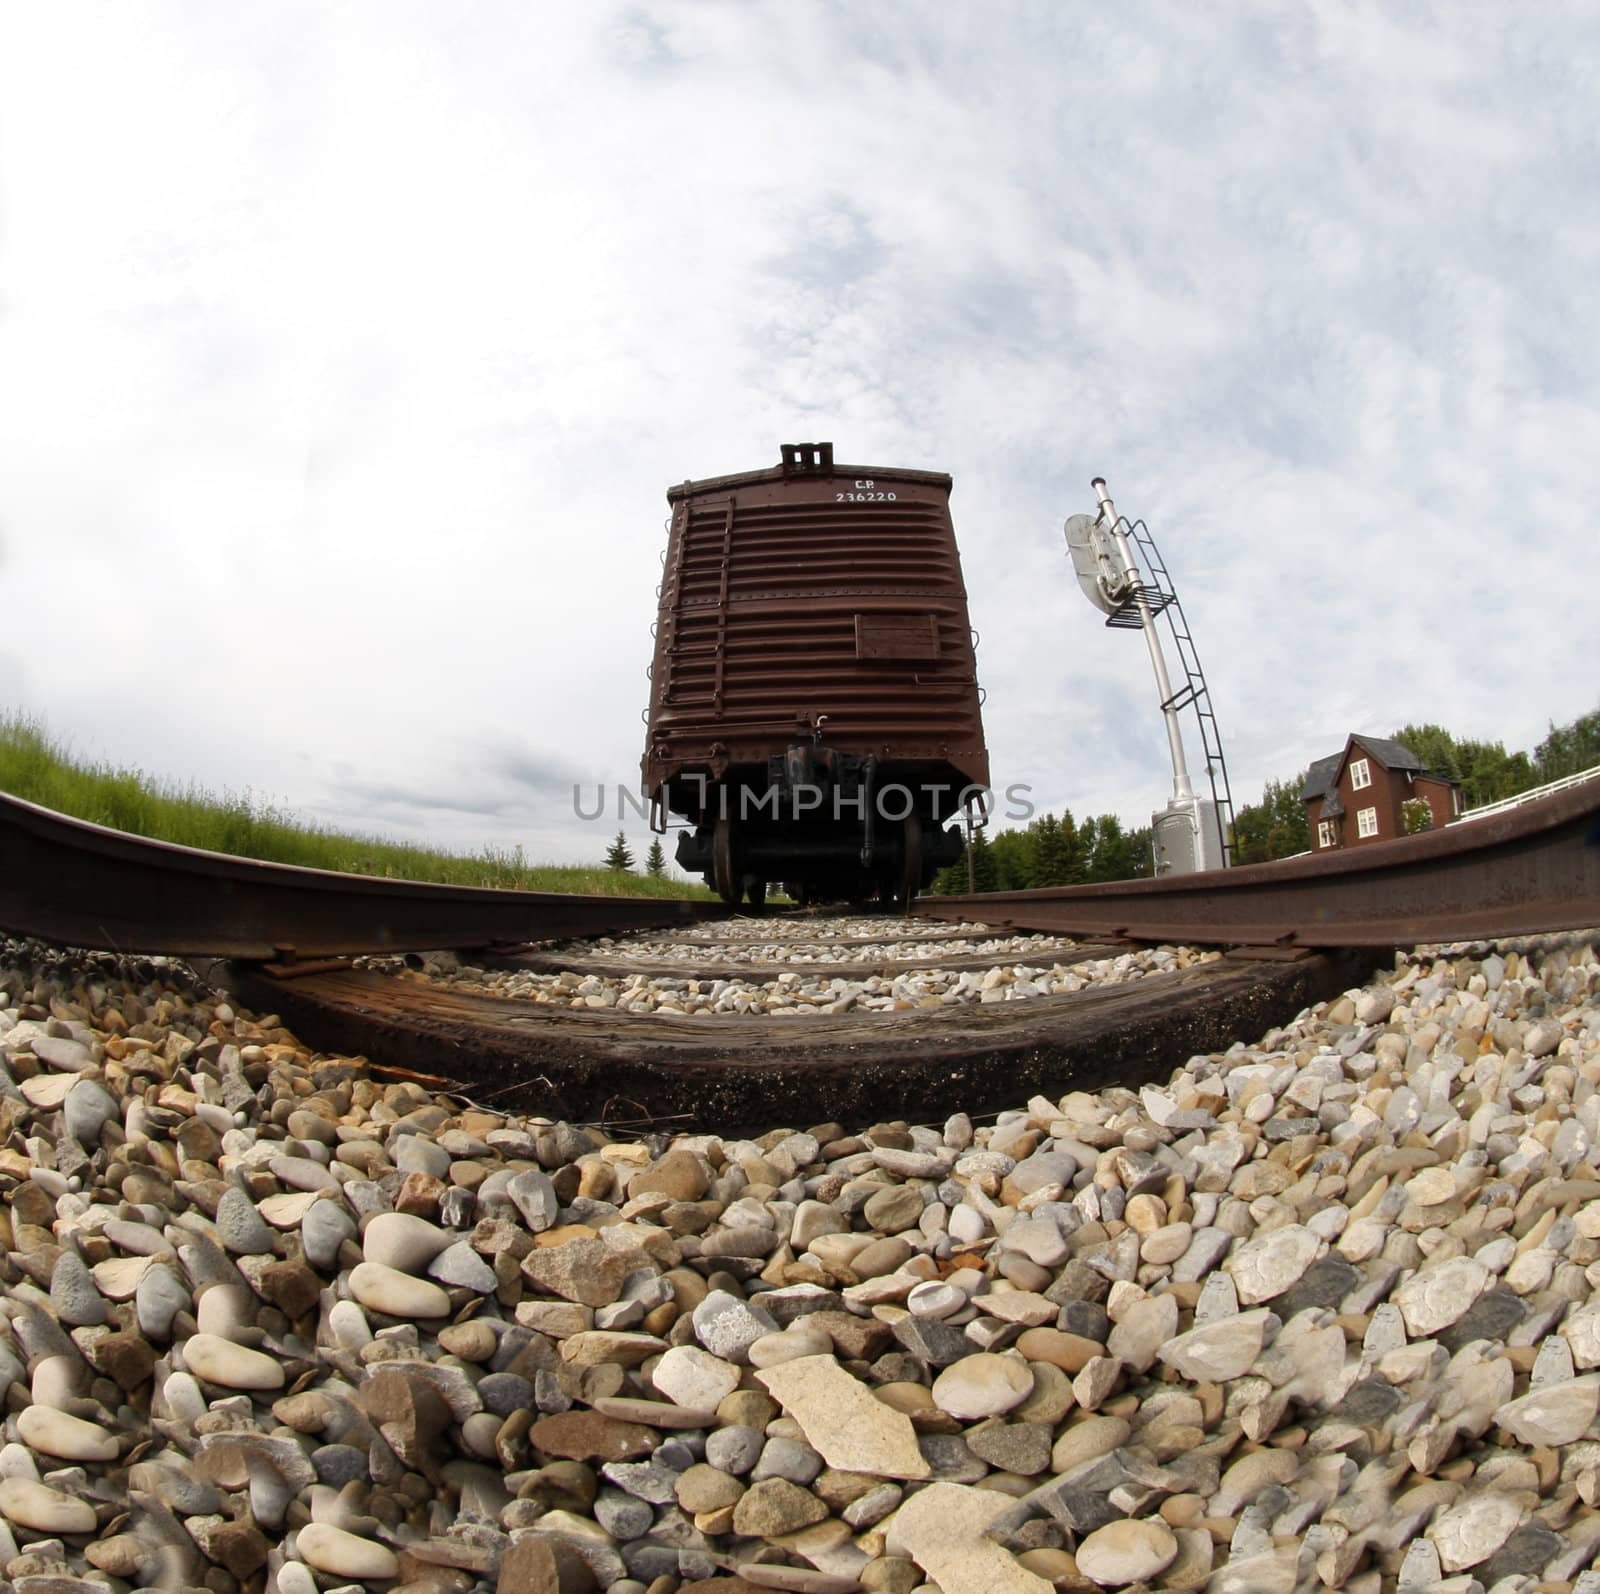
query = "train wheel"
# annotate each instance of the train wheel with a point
(724, 877)
(755, 892)
(910, 863)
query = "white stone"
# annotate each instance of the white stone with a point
(41, 1509)
(689, 1376)
(223, 1309)
(403, 1241)
(941, 1529)
(789, 1345)
(118, 1277)
(1218, 1351)
(984, 1385)
(286, 1211)
(396, 1294)
(341, 1554)
(843, 1421)
(1474, 1528)
(1555, 1414)
(936, 1298)
(1038, 1239)
(349, 1325)
(1133, 1550)
(1435, 1297)
(55, 1433)
(1582, 1332)
(55, 1380)
(1273, 1262)
(219, 1361)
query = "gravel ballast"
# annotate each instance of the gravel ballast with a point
(1319, 1311)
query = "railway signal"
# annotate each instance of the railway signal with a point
(1191, 833)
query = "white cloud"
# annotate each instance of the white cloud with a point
(345, 356)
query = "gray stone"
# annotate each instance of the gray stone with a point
(1325, 1284)
(950, 1459)
(73, 1293)
(1087, 1319)
(337, 1465)
(787, 1458)
(1218, 1299)
(241, 1228)
(624, 1516)
(324, 1228)
(734, 1449)
(505, 1393)
(161, 1295)
(1020, 1447)
(931, 1341)
(1492, 1316)
(534, 1196)
(89, 1107)
(1370, 1402)
(413, 1154)
(459, 1266)
(1525, 1554)
(644, 1480)
(727, 1326)
(1206, 1249)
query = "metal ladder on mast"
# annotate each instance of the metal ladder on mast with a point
(1161, 597)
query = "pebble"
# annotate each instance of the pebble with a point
(1131, 1551)
(984, 1385)
(57, 1433)
(343, 1554)
(220, 1361)
(386, 1289)
(26, 1503)
(1324, 1305)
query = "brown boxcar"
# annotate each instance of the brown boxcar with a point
(814, 704)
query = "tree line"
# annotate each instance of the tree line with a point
(619, 856)
(1276, 827)
(1050, 852)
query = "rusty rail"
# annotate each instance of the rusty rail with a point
(1532, 869)
(68, 881)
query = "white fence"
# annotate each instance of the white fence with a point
(1528, 796)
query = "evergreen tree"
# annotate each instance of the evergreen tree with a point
(1050, 857)
(1012, 851)
(617, 855)
(1275, 827)
(1568, 749)
(985, 871)
(655, 861)
(1111, 850)
(1486, 771)
(1141, 853)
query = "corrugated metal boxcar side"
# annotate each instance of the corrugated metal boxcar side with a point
(816, 614)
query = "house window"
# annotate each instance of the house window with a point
(1325, 833)
(1360, 777)
(1367, 822)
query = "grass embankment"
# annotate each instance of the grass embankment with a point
(39, 770)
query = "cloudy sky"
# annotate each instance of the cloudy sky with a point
(346, 352)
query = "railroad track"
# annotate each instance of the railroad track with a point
(1292, 934)
(733, 1069)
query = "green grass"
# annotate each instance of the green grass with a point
(40, 770)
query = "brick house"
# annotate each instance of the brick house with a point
(1356, 795)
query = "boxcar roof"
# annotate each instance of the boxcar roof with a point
(776, 473)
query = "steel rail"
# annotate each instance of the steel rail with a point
(1526, 871)
(79, 884)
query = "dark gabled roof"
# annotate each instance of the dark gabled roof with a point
(1392, 755)
(1320, 777)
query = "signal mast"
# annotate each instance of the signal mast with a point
(1192, 832)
